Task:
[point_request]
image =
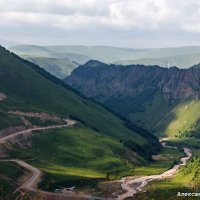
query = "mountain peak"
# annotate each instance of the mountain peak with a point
(94, 63)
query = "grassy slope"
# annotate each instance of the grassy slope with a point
(81, 157)
(151, 112)
(181, 120)
(76, 154)
(166, 160)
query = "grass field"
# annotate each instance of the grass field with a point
(76, 154)
(177, 120)
(153, 110)
(165, 161)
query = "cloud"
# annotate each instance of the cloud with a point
(102, 15)
(116, 13)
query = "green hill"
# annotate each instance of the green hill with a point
(95, 147)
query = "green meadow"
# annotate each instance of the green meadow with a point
(165, 160)
(76, 154)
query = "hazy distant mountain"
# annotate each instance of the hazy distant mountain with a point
(182, 57)
(7, 43)
(181, 61)
(59, 67)
(48, 52)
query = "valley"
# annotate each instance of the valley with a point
(99, 100)
(163, 101)
(54, 138)
(127, 184)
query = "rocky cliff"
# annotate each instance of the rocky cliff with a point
(136, 90)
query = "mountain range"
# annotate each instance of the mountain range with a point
(162, 100)
(61, 60)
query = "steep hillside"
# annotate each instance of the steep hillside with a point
(183, 120)
(152, 97)
(96, 146)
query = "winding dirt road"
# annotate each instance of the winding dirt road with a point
(32, 182)
(134, 186)
(6, 138)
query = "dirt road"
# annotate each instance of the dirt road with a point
(32, 182)
(69, 123)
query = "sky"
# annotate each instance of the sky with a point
(122, 23)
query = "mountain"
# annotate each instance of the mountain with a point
(59, 64)
(181, 61)
(59, 67)
(99, 144)
(182, 57)
(162, 100)
(7, 43)
(35, 51)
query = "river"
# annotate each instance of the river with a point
(136, 185)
